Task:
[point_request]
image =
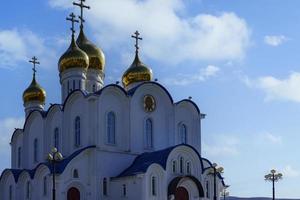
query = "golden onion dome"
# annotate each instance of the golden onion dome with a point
(34, 93)
(74, 57)
(95, 54)
(137, 72)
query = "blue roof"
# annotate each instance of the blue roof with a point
(60, 167)
(143, 161)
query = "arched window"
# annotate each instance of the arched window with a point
(35, 150)
(174, 166)
(207, 189)
(124, 190)
(75, 173)
(181, 164)
(104, 187)
(183, 133)
(188, 168)
(19, 156)
(148, 134)
(153, 186)
(77, 131)
(111, 128)
(10, 192)
(56, 138)
(28, 190)
(45, 186)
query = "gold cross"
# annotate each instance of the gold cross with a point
(137, 38)
(73, 20)
(34, 62)
(81, 6)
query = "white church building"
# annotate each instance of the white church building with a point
(118, 142)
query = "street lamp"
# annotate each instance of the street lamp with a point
(273, 177)
(224, 193)
(54, 157)
(214, 170)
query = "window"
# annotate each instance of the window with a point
(174, 166)
(207, 189)
(183, 133)
(77, 131)
(75, 173)
(19, 156)
(148, 134)
(10, 192)
(124, 190)
(181, 164)
(28, 190)
(35, 150)
(188, 168)
(111, 128)
(45, 186)
(153, 186)
(104, 187)
(56, 138)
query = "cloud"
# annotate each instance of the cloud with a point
(275, 40)
(272, 138)
(20, 45)
(169, 35)
(187, 79)
(224, 145)
(7, 127)
(277, 89)
(290, 172)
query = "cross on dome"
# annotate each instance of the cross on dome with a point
(137, 38)
(73, 20)
(81, 5)
(35, 62)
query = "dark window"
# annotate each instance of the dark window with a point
(104, 185)
(75, 173)
(35, 150)
(181, 165)
(10, 192)
(19, 156)
(183, 133)
(28, 190)
(45, 186)
(174, 166)
(77, 131)
(111, 128)
(124, 190)
(148, 134)
(188, 168)
(153, 186)
(56, 138)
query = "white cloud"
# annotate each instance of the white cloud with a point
(275, 40)
(272, 138)
(277, 89)
(290, 172)
(187, 79)
(20, 45)
(224, 145)
(168, 35)
(7, 127)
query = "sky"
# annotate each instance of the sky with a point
(238, 60)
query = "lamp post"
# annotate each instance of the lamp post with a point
(214, 171)
(54, 157)
(273, 177)
(224, 193)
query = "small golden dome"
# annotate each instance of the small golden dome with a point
(34, 93)
(74, 57)
(95, 54)
(137, 72)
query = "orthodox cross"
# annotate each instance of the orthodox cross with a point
(34, 62)
(137, 38)
(73, 20)
(81, 5)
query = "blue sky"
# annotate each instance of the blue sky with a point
(239, 60)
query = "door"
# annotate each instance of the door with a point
(181, 194)
(73, 194)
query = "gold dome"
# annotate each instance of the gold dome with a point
(74, 57)
(34, 93)
(137, 72)
(95, 54)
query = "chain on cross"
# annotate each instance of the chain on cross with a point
(81, 5)
(137, 38)
(35, 62)
(73, 20)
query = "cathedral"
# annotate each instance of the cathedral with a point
(126, 140)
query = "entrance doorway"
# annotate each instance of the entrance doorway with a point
(73, 194)
(181, 194)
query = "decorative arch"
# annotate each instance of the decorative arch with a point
(177, 182)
